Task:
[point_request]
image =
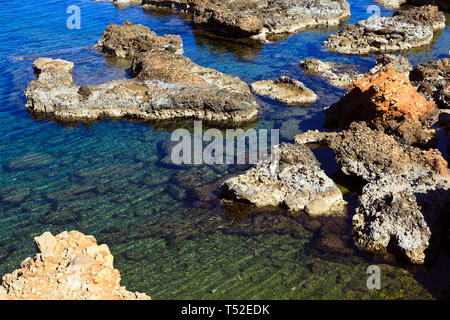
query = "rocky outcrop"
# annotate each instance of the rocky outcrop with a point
(395, 4)
(386, 101)
(405, 30)
(433, 81)
(391, 4)
(167, 85)
(69, 266)
(295, 182)
(335, 73)
(340, 75)
(258, 19)
(128, 40)
(406, 197)
(286, 91)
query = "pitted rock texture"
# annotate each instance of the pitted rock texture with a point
(433, 81)
(406, 197)
(391, 4)
(387, 101)
(258, 19)
(68, 266)
(406, 30)
(296, 182)
(395, 4)
(400, 63)
(286, 91)
(168, 86)
(128, 40)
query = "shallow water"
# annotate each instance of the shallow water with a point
(169, 234)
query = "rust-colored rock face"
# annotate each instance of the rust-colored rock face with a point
(69, 265)
(387, 101)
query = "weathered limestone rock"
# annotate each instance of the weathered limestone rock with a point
(286, 91)
(335, 73)
(406, 195)
(395, 4)
(68, 266)
(400, 63)
(433, 81)
(167, 85)
(128, 40)
(405, 30)
(387, 101)
(299, 184)
(121, 3)
(258, 19)
(391, 4)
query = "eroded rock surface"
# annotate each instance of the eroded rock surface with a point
(298, 183)
(167, 85)
(406, 196)
(67, 266)
(258, 19)
(335, 73)
(128, 40)
(286, 91)
(405, 30)
(386, 101)
(433, 81)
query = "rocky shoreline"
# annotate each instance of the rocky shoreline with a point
(68, 266)
(166, 85)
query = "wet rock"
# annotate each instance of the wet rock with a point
(405, 30)
(387, 101)
(335, 73)
(286, 91)
(128, 40)
(405, 197)
(295, 182)
(177, 88)
(71, 266)
(433, 81)
(258, 19)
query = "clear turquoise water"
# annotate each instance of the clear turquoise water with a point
(169, 234)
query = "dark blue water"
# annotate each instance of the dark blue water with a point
(164, 224)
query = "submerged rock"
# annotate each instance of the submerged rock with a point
(69, 266)
(128, 40)
(406, 195)
(405, 30)
(258, 19)
(167, 85)
(433, 81)
(387, 101)
(286, 91)
(297, 182)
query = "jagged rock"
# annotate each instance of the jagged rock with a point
(442, 4)
(296, 182)
(68, 266)
(286, 91)
(433, 81)
(128, 40)
(391, 4)
(405, 30)
(335, 73)
(387, 101)
(258, 19)
(406, 195)
(400, 63)
(179, 89)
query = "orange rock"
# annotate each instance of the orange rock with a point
(387, 101)
(69, 265)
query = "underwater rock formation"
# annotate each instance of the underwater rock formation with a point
(67, 266)
(255, 18)
(387, 101)
(296, 182)
(405, 30)
(406, 195)
(433, 81)
(128, 40)
(285, 90)
(167, 85)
